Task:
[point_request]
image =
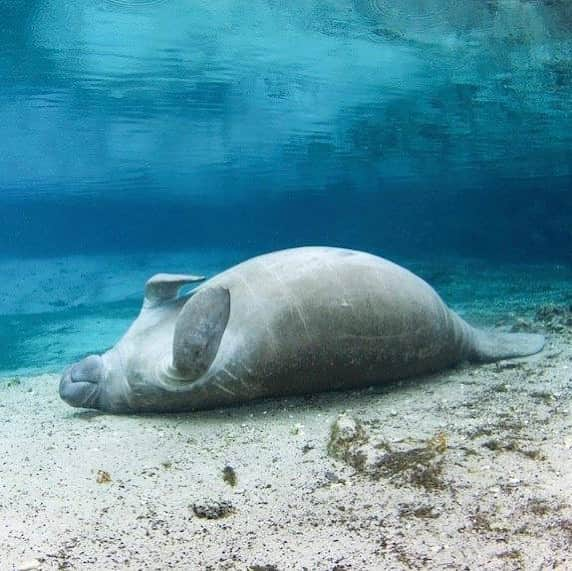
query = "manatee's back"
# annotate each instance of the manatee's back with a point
(312, 319)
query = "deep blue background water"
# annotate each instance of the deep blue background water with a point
(420, 129)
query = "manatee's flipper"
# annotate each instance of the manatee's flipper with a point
(493, 345)
(198, 331)
(165, 287)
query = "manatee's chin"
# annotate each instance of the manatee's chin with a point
(81, 384)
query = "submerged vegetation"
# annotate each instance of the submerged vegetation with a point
(553, 318)
(229, 476)
(12, 382)
(421, 466)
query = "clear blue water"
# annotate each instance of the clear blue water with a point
(136, 128)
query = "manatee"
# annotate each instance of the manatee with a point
(290, 322)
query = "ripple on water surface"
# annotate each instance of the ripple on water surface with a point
(133, 4)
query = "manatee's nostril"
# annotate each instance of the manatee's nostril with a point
(90, 370)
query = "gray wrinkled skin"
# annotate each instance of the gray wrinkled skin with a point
(300, 321)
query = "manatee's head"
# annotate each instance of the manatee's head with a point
(128, 377)
(95, 382)
(81, 383)
(119, 379)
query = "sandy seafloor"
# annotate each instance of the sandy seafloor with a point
(467, 469)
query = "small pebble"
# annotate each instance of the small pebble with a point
(213, 510)
(297, 429)
(29, 565)
(332, 477)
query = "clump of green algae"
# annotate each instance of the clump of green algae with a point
(229, 476)
(421, 466)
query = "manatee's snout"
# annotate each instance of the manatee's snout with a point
(80, 385)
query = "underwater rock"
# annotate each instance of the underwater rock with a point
(213, 509)
(332, 478)
(102, 477)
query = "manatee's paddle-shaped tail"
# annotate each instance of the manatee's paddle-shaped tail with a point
(491, 346)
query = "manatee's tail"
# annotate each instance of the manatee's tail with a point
(491, 346)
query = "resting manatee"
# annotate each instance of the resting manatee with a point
(290, 322)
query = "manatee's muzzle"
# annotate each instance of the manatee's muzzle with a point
(80, 385)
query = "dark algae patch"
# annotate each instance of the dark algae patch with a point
(513, 446)
(513, 555)
(229, 476)
(552, 318)
(421, 466)
(347, 436)
(13, 382)
(420, 512)
(555, 318)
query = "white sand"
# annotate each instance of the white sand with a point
(296, 507)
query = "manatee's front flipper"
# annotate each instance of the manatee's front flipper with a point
(492, 345)
(199, 330)
(165, 287)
